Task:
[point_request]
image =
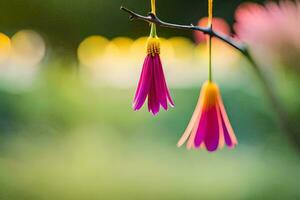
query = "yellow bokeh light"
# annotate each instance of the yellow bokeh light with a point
(5, 47)
(91, 50)
(123, 44)
(138, 48)
(201, 52)
(182, 47)
(28, 48)
(118, 60)
(167, 50)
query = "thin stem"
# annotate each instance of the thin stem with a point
(210, 17)
(210, 59)
(153, 7)
(210, 12)
(153, 32)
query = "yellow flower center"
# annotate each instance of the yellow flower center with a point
(211, 93)
(153, 46)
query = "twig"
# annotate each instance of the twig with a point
(206, 30)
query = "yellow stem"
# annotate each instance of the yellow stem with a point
(210, 17)
(153, 7)
(153, 26)
(210, 12)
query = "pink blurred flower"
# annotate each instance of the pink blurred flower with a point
(219, 25)
(209, 127)
(272, 30)
(152, 82)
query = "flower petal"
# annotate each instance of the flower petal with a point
(191, 141)
(166, 87)
(193, 122)
(145, 85)
(229, 136)
(153, 101)
(142, 78)
(212, 131)
(221, 131)
(159, 82)
(201, 129)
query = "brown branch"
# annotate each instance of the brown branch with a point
(151, 18)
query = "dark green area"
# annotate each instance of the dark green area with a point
(66, 23)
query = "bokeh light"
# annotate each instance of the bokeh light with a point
(118, 62)
(5, 47)
(28, 48)
(182, 47)
(91, 50)
(21, 58)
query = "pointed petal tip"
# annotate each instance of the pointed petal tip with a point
(189, 147)
(197, 146)
(166, 108)
(154, 113)
(232, 146)
(212, 151)
(134, 107)
(171, 102)
(180, 143)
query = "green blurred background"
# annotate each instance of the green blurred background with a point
(67, 134)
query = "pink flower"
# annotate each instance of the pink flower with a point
(271, 31)
(152, 82)
(209, 127)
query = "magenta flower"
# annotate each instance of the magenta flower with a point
(209, 127)
(152, 83)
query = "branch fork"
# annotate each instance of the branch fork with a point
(152, 18)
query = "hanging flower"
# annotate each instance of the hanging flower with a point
(152, 84)
(209, 127)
